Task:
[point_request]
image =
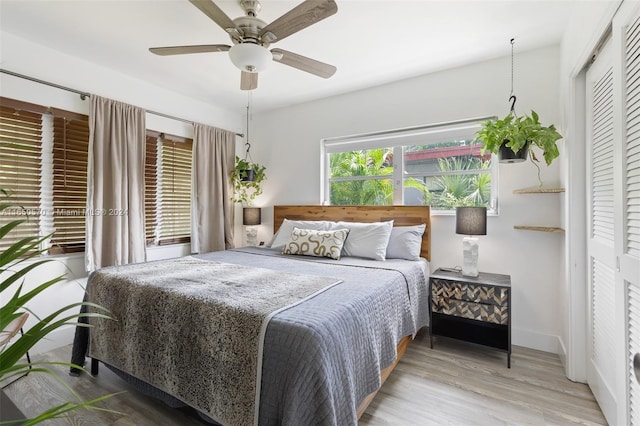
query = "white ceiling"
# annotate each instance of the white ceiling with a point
(370, 42)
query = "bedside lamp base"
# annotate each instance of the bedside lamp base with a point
(470, 257)
(252, 236)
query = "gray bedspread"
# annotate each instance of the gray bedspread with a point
(322, 357)
(192, 326)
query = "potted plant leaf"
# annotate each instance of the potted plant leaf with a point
(247, 178)
(513, 138)
(16, 261)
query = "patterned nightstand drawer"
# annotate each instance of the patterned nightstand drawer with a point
(476, 293)
(471, 310)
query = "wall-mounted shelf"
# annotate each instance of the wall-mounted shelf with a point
(538, 190)
(540, 228)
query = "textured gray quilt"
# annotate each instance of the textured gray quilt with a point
(191, 327)
(323, 356)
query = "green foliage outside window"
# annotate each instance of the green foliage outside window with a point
(443, 191)
(362, 192)
(462, 190)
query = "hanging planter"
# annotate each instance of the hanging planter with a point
(248, 175)
(513, 137)
(506, 154)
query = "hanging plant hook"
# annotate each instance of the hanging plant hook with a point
(512, 99)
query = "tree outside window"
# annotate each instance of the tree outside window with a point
(444, 174)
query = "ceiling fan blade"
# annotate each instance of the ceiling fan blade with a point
(248, 80)
(303, 63)
(306, 13)
(216, 14)
(182, 50)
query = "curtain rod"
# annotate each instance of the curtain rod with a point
(84, 95)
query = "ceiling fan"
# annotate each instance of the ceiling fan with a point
(251, 37)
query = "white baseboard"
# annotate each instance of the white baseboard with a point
(534, 340)
(562, 353)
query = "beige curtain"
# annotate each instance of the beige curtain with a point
(115, 184)
(211, 205)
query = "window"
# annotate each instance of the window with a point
(436, 165)
(43, 167)
(168, 189)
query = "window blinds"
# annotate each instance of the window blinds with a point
(20, 142)
(151, 188)
(175, 190)
(44, 153)
(70, 151)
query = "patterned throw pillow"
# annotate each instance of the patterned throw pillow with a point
(310, 242)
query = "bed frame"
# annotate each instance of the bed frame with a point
(401, 216)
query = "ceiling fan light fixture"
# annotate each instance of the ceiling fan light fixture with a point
(250, 57)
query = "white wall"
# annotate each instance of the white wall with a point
(287, 142)
(21, 56)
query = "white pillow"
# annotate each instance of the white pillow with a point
(405, 242)
(309, 242)
(282, 236)
(367, 240)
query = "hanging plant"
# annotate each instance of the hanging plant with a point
(245, 190)
(513, 137)
(247, 176)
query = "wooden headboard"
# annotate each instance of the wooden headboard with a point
(401, 216)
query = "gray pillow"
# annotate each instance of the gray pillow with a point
(405, 242)
(366, 239)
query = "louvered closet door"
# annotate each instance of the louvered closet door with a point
(601, 371)
(630, 215)
(613, 117)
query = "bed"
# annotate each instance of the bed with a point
(269, 338)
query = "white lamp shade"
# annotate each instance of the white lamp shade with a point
(250, 57)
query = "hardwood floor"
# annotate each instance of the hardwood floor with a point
(461, 384)
(452, 384)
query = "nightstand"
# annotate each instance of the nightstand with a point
(473, 309)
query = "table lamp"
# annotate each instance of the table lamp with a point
(470, 221)
(251, 216)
